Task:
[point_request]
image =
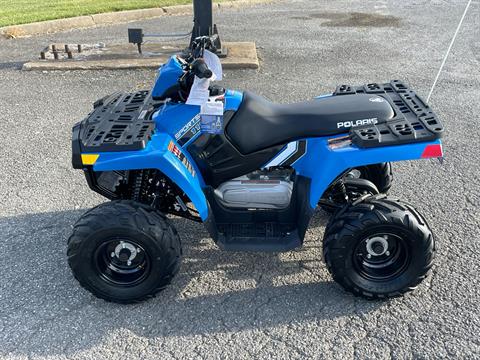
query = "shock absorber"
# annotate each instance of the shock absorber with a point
(339, 192)
(136, 189)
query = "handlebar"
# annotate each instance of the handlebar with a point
(202, 43)
(200, 69)
(192, 59)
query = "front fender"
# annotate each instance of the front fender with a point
(158, 155)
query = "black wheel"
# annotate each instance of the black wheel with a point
(380, 174)
(378, 248)
(124, 251)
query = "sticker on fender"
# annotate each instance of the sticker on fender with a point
(180, 156)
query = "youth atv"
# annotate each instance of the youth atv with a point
(253, 174)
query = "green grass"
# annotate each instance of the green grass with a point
(14, 12)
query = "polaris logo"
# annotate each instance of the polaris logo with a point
(349, 124)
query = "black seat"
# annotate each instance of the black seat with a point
(259, 124)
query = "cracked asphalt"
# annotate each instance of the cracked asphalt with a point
(242, 305)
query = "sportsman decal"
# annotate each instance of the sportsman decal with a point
(186, 133)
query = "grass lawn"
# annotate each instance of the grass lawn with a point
(13, 12)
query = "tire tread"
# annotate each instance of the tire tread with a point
(384, 210)
(127, 213)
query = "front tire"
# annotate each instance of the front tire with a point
(124, 251)
(378, 248)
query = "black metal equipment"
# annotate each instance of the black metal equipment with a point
(202, 26)
(135, 36)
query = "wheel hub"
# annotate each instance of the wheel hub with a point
(122, 262)
(381, 256)
(125, 252)
(377, 246)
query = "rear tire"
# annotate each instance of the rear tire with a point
(124, 251)
(380, 174)
(354, 189)
(378, 248)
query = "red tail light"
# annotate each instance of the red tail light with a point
(432, 151)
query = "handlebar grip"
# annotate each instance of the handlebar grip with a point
(201, 69)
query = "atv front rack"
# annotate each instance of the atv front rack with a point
(118, 122)
(414, 121)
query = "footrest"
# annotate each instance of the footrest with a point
(258, 237)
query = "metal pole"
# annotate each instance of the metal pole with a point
(203, 24)
(202, 18)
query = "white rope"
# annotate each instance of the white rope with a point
(448, 50)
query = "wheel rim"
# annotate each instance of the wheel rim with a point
(122, 262)
(381, 256)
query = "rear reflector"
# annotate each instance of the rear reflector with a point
(432, 151)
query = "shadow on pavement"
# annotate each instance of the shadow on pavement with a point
(16, 65)
(44, 311)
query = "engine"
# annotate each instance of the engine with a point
(261, 189)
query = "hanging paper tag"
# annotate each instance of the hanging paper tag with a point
(199, 92)
(211, 117)
(214, 64)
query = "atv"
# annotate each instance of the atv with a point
(253, 172)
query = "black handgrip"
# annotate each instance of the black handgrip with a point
(201, 69)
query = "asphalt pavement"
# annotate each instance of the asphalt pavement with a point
(241, 305)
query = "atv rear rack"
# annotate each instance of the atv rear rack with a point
(414, 121)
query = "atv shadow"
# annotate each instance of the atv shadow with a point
(44, 311)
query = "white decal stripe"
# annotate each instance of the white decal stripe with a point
(304, 152)
(284, 155)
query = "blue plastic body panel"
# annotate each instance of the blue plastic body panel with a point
(157, 156)
(233, 99)
(323, 165)
(171, 118)
(168, 76)
(175, 118)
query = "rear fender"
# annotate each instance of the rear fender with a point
(323, 164)
(164, 154)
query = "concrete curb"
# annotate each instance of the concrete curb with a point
(123, 64)
(52, 26)
(241, 55)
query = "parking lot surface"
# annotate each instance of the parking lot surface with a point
(246, 305)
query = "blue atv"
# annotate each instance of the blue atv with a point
(253, 174)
